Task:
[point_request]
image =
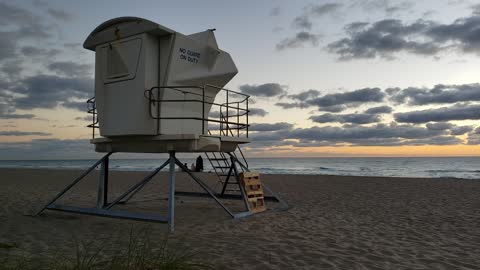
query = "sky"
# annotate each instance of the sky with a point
(327, 78)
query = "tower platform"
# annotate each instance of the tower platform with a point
(167, 143)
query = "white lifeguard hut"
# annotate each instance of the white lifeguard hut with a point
(155, 89)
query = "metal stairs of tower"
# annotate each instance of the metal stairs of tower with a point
(222, 165)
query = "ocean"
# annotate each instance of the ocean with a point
(444, 167)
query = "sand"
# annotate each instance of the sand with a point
(334, 222)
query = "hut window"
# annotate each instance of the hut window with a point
(121, 59)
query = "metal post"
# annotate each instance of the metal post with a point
(247, 117)
(227, 119)
(240, 184)
(73, 183)
(171, 195)
(136, 187)
(203, 111)
(226, 180)
(238, 119)
(102, 197)
(204, 186)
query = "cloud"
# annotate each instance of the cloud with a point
(257, 112)
(439, 126)
(11, 14)
(302, 22)
(70, 69)
(32, 51)
(299, 40)
(439, 140)
(323, 9)
(438, 94)
(354, 133)
(48, 148)
(474, 137)
(7, 45)
(23, 133)
(76, 105)
(60, 14)
(383, 38)
(270, 127)
(84, 118)
(386, 6)
(476, 9)
(263, 90)
(47, 91)
(387, 37)
(379, 110)
(275, 11)
(380, 135)
(333, 102)
(286, 105)
(357, 96)
(304, 95)
(12, 68)
(16, 116)
(354, 118)
(18, 24)
(460, 130)
(456, 112)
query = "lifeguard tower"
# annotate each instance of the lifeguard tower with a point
(155, 90)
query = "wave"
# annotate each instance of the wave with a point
(452, 171)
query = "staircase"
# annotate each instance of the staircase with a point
(221, 162)
(222, 166)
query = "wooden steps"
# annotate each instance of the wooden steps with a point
(253, 190)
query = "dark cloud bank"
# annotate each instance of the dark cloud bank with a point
(62, 83)
(388, 37)
(415, 127)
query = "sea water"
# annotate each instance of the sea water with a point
(444, 167)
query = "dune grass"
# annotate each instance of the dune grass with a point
(140, 253)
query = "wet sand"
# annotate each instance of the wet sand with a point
(334, 222)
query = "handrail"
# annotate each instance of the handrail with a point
(184, 89)
(239, 106)
(92, 110)
(238, 147)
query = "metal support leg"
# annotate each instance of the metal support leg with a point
(171, 194)
(102, 197)
(144, 183)
(137, 186)
(226, 180)
(73, 183)
(240, 185)
(204, 186)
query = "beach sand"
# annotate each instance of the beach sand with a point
(335, 222)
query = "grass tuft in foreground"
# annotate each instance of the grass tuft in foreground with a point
(138, 254)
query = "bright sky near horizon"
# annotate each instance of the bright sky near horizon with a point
(333, 78)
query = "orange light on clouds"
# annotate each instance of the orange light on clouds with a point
(370, 151)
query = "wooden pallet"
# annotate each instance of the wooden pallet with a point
(253, 188)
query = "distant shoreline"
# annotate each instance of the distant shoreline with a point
(79, 171)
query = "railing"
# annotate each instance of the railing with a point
(228, 110)
(232, 113)
(92, 109)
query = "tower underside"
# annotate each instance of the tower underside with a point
(167, 143)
